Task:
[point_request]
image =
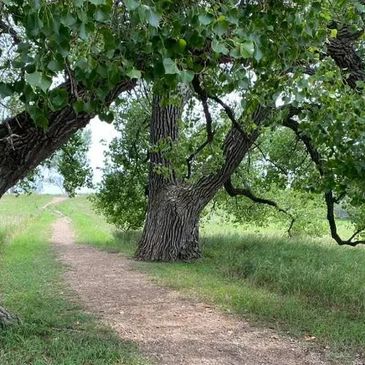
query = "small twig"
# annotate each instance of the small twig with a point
(73, 84)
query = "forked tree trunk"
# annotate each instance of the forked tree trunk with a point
(171, 230)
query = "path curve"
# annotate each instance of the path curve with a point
(170, 329)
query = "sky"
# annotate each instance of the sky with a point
(101, 135)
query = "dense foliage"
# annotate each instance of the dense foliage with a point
(298, 63)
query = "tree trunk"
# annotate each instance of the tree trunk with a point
(7, 319)
(171, 231)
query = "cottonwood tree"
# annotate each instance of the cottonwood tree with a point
(66, 62)
(309, 86)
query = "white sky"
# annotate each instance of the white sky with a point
(101, 135)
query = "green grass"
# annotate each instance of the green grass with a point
(303, 287)
(92, 229)
(54, 329)
(13, 216)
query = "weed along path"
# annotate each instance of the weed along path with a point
(169, 329)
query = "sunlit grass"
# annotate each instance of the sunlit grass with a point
(17, 211)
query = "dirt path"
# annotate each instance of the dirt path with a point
(54, 201)
(170, 329)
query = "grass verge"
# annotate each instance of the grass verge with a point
(54, 329)
(309, 289)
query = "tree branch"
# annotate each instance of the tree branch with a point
(29, 145)
(230, 114)
(209, 123)
(342, 50)
(232, 191)
(329, 198)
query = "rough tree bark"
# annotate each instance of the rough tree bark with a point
(171, 231)
(23, 146)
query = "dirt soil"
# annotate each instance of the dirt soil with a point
(169, 328)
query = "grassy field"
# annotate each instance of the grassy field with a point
(310, 289)
(54, 330)
(13, 215)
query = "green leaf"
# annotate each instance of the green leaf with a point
(5, 90)
(68, 20)
(107, 117)
(38, 116)
(58, 98)
(97, 2)
(109, 40)
(186, 76)
(78, 106)
(101, 16)
(220, 28)
(247, 49)
(219, 47)
(258, 54)
(205, 19)
(38, 80)
(134, 74)
(131, 4)
(153, 18)
(170, 66)
(55, 66)
(83, 32)
(333, 33)
(235, 52)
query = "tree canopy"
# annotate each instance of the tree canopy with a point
(267, 74)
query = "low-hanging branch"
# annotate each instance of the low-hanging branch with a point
(329, 198)
(232, 191)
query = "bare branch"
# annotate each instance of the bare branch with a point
(204, 100)
(277, 166)
(230, 113)
(209, 123)
(232, 191)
